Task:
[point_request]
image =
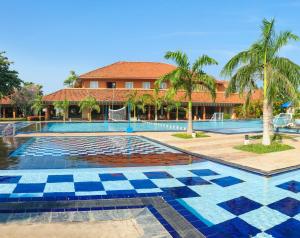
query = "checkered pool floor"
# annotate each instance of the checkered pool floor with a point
(83, 146)
(87, 152)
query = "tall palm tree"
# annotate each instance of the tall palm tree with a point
(187, 77)
(262, 63)
(62, 106)
(133, 100)
(90, 104)
(37, 105)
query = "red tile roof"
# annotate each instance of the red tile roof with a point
(142, 70)
(120, 95)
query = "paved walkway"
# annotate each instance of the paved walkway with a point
(221, 147)
(218, 146)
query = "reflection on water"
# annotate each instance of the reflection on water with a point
(87, 152)
(7, 146)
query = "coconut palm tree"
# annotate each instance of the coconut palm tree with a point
(62, 106)
(72, 80)
(262, 63)
(188, 77)
(133, 100)
(90, 104)
(37, 105)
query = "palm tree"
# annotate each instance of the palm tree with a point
(187, 77)
(177, 105)
(90, 104)
(133, 100)
(157, 102)
(62, 106)
(72, 80)
(37, 105)
(145, 100)
(261, 63)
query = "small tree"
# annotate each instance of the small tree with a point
(72, 80)
(177, 105)
(133, 99)
(37, 105)
(24, 97)
(9, 80)
(157, 102)
(90, 104)
(145, 100)
(62, 106)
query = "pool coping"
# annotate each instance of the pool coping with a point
(178, 222)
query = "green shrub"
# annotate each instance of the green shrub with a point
(262, 149)
(188, 136)
(226, 116)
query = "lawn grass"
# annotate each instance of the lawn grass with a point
(12, 119)
(262, 149)
(188, 136)
(275, 137)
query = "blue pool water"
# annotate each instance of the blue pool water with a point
(218, 200)
(226, 127)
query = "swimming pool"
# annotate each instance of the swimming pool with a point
(226, 127)
(217, 200)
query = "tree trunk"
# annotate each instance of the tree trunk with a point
(177, 114)
(168, 115)
(89, 116)
(267, 110)
(134, 113)
(155, 112)
(190, 119)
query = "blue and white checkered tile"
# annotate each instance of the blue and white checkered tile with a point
(80, 146)
(221, 200)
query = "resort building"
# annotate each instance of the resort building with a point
(110, 85)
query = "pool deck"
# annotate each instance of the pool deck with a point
(218, 147)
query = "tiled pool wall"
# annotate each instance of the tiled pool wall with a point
(217, 200)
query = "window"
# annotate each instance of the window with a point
(163, 86)
(111, 84)
(94, 84)
(128, 84)
(146, 85)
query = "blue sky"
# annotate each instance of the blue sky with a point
(47, 39)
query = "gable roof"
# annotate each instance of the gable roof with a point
(130, 70)
(120, 95)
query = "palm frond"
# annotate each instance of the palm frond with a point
(203, 60)
(179, 58)
(208, 82)
(283, 39)
(239, 59)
